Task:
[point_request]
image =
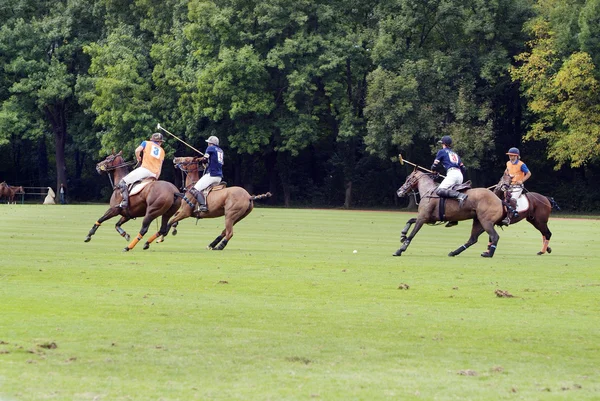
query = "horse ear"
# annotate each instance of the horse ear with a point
(120, 153)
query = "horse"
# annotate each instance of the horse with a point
(234, 203)
(190, 167)
(534, 207)
(150, 199)
(481, 205)
(9, 192)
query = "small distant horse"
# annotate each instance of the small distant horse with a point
(534, 207)
(482, 206)
(234, 203)
(9, 193)
(150, 199)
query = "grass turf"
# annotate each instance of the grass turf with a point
(288, 312)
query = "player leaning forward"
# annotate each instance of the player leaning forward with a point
(152, 155)
(450, 161)
(213, 174)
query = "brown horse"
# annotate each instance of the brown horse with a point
(190, 167)
(482, 206)
(234, 203)
(154, 199)
(536, 210)
(9, 192)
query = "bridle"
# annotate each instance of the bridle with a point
(105, 166)
(411, 183)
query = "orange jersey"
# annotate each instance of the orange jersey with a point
(515, 171)
(153, 156)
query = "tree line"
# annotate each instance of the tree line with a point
(312, 99)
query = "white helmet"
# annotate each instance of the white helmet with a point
(213, 139)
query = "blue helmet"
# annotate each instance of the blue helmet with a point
(514, 152)
(446, 140)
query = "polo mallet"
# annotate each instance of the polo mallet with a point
(158, 126)
(402, 161)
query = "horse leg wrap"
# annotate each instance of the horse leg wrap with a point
(133, 243)
(221, 246)
(490, 252)
(215, 242)
(545, 243)
(151, 239)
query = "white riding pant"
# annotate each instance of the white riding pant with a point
(137, 175)
(453, 176)
(205, 181)
(516, 191)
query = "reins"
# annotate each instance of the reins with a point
(108, 169)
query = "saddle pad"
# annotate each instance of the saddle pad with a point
(138, 187)
(522, 203)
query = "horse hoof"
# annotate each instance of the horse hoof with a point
(127, 237)
(549, 250)
(209, 248)
(126, 249)
(174, 232)
(452, 254)
(487, 255)
(146, 246)
(88, 239)
(397, 253)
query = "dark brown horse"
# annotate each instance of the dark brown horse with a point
(482, 206)
(234, 203)
(536, 210)
(154, 199)
(9, 192)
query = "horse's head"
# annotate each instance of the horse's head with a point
(188, 163)
(504, 184)
(20, 190)
(111, 162)
(411, 183)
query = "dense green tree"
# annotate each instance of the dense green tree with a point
(561, 83)
(442, 65)
(41, 46)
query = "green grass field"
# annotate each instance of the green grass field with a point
(288, 312)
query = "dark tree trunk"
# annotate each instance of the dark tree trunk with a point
(348, 195)
(283, 164)
(56, 115)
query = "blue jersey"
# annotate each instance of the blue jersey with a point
(447, 158)
(214, 154)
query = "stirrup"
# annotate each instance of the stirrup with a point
(123, 205)
(505, 222)
(201, 208)
(451, 224)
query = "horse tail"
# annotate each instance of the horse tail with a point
(262, 196)
(553, 203)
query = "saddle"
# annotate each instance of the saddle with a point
(442, 204)
(136, 187)
(214, 187)
(462, 187)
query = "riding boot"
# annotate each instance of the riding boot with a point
(124, 193)
(201, 205)
(512, 207)
(450, 193)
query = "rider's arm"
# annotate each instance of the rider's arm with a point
(527, 175)
(138, 153)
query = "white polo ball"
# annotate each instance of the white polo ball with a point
(355, 251)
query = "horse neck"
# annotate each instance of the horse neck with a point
(425, 185)
(191, 178)
(119, 173)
